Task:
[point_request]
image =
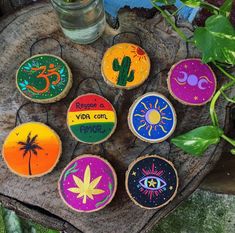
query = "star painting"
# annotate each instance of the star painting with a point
(191, 82)
(152, 118)
(155, 182)
(88, 183)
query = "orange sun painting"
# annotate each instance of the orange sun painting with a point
(152, 118)
(139, 52)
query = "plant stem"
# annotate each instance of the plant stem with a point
(229, 140)
(227, 98)
(210, 6)
(167, 16)
(224, 71)
(174, 13)
(213, 114)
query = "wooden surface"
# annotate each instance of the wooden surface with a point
(7, 6)
(38, 198)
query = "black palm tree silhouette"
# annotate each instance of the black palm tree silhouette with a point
(30, 146)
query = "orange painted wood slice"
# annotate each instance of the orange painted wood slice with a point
(32, 149)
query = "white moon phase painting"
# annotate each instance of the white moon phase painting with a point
(191, 82)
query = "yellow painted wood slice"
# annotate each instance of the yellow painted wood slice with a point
(125, 65)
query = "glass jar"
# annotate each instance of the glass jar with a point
(82, 21)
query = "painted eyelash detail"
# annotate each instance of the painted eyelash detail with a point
(152, 184)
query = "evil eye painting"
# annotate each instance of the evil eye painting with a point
(151, 181)
(152, 118)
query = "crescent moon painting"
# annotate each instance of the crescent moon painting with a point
(200, 84)
(185, 76)
(191, 82)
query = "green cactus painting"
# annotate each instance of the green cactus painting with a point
(125, 75)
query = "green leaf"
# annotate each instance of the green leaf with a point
(196, 141)
(200, 3)
(225, 9)
(192, 3)
(232, 151)
(216, 40)
(165, 2)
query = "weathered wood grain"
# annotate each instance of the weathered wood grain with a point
(8, 6)
(38, 198)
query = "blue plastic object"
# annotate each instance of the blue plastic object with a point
(113, 6)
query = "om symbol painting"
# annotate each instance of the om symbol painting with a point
(191, 82)
(151, 181)
(125, 65)
(88, 183)
(44, 78)
(152, 118)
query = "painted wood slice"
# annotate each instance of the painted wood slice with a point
(152, 118)
(44, 78)
(125, 65)
(91, 118)
(151, 181)
(191, 82)
(32, 149)
(88, 183)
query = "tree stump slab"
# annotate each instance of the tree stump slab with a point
(38, 198)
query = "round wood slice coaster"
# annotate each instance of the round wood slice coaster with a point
(152, 118)
(151, 181)
(91, 118)
(32, 149)
(191, 82)
(44, 78)
(125, 65)
(88, 183)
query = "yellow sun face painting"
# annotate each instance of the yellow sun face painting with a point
(152, 118)
(31, 149)
(125, 65)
